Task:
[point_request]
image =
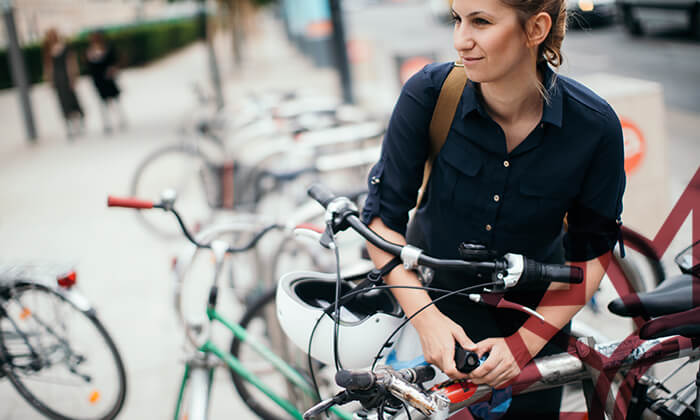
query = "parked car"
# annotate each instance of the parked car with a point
(587, 13)
(636, 14)
(584, 13)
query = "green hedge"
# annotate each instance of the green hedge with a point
(136, 44)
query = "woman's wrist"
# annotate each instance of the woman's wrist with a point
(425, 319)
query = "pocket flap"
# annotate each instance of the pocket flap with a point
(462, 155)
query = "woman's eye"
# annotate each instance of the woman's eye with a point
(481, 21)
(454, 18)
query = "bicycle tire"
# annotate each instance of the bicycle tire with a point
(196, 207)
(15, 372)
(651, 257)
(254, 399)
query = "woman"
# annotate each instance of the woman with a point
(102, 66)
(61, 69)
(526, 147)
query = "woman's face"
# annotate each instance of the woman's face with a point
(489, 39)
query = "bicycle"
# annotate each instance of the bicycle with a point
(641, 269)
(675, 334)
(211, 174)
(194, 392)
(54, 349)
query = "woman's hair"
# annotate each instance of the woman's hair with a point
(50, 39)
(550, 48)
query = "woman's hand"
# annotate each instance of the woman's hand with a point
(438, 335)
(501, 365)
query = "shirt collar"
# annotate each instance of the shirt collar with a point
(552, 112)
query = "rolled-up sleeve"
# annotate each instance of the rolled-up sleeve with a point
(594, 218)
(394, 181)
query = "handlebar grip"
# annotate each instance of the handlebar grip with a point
(321, 194)
(354, 380)
(535, 272)
(423, 374)
(563, 273)
(466, 360)
(132, 203)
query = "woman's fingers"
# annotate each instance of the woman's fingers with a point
(503, 380)
(484, 346)
(461, 338)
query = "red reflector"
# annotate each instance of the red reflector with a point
(67, 280)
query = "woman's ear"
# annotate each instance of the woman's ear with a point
(537, 28)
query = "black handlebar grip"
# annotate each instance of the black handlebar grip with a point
(321, 194)
(563, 273)
(354, 380)
(466, 360)
(423, 373)
(535, 272)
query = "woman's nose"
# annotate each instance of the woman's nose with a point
(463, 39)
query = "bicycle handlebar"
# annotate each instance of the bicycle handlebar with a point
(132, 203)
(135, 203)
(531, 272)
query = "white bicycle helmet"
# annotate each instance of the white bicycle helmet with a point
(365, 322)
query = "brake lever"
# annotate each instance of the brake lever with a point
(498, 301)
(339, 399)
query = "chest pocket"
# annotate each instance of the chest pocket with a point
(458, 166)
(540, 205)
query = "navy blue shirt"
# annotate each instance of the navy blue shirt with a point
(572, 162)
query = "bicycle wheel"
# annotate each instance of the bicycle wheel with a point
(184, 168)
(58, 356)
(260, 321)
(642, 270)
(241, 272)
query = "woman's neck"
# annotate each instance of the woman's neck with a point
(513, 97)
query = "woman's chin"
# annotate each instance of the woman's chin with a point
(475, 75)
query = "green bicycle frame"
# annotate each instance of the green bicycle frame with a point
(292, 375)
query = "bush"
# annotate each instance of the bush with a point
(136, 45)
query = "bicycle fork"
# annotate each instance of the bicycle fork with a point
(197, 379)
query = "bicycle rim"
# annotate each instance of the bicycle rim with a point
(260, 321)
(59, 358)
(187, 171)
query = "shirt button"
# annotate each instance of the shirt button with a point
(506, 163)
(497, 198)
(488, 227)
(375, 180)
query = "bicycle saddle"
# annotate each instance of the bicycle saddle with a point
(672, 296)
(685, 323)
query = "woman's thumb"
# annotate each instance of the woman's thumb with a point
(464, 341)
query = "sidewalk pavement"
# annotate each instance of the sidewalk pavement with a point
(53, 208)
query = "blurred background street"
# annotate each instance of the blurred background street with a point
(54, 189)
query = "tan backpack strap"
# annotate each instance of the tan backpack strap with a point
(443, 114)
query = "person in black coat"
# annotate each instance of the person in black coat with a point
(61, 70)
(101, 59)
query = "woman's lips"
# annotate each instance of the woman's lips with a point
(471, 59)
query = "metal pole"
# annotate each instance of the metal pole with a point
(341, 52)
(18, 69)
(213, 64)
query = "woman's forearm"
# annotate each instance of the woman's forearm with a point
(411, 300)
(560, 303)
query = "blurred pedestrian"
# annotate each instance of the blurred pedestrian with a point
(103, 68)
(61, 69)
